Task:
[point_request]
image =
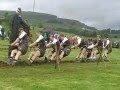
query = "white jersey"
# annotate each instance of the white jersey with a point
(79, 41)
(91, 46)
(0, 33)
(39, 38)
(108, 42)
(54, 41)
(22, 35)
(105, 44)
(65, 39)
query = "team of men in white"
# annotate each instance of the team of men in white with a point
(86, 48)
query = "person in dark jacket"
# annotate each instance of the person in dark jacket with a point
(16, 23)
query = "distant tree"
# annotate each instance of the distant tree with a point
(54, 21)
(6, 21)
(103, 33)
(115, 36)
(6, 15)
(94, 34)
(40, 25)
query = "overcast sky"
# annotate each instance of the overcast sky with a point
(97, 13)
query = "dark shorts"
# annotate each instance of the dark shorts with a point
(53, 50)
(82, 47)
(109, 50)
(100, 49)
(23, 49)
(89, 52)
(42, 52)
(67, 51)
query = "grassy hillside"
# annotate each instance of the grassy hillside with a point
(48, 20)
(42, 20)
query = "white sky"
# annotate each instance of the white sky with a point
(98, 13)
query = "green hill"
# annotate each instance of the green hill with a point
(42, 20)
(48, 20)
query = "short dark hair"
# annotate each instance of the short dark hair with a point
(51, 35)
(40, 31)
(62, 35)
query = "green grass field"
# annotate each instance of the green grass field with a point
(71, 76)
